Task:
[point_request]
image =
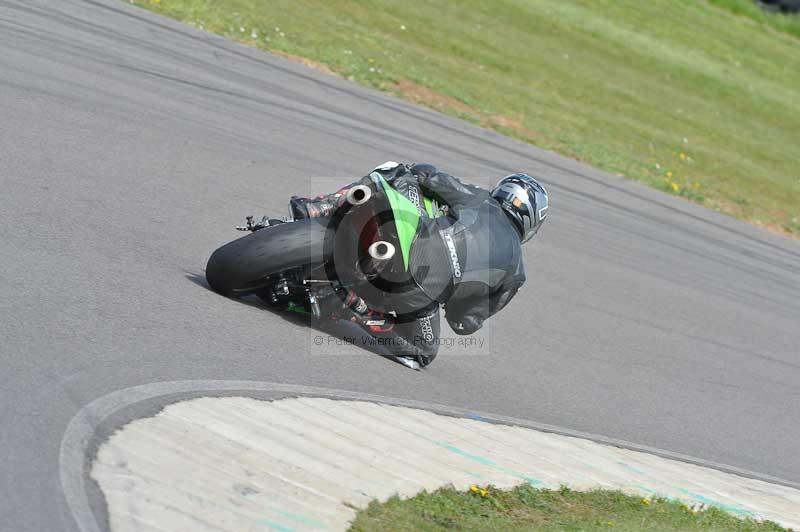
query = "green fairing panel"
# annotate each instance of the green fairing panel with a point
(406, 219)
(429, 207)
(294, 307)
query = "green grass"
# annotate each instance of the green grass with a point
(526, 508)
(684, 95)
(789, 23)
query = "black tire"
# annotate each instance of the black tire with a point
(242, 267)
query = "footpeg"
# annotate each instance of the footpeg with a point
(261, 224)
(252, 226)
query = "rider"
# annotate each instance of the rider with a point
(469, 260)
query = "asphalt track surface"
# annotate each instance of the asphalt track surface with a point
(129, 147)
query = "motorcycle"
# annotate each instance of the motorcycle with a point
(362, 247)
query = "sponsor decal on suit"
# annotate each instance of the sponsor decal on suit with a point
(451, 247)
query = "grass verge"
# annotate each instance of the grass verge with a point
(789, 23)
(527, 508)
(684, 95)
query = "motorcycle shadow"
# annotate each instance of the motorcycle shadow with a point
(343, 330)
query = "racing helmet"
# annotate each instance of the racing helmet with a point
(525, 202)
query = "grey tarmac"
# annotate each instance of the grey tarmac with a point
(131, 145)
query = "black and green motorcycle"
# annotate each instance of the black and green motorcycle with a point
(366, 242)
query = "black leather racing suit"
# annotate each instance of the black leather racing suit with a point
(468, 261)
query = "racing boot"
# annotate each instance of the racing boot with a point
(343, 304)
(377, 323)
(372, 320)
(301, 208)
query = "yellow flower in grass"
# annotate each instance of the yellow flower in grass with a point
(674, 186)
(483, 492)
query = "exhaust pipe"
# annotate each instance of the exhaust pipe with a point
(358, 194)
(381, 250)
(377, 259)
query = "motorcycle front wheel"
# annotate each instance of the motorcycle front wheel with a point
(244, 266)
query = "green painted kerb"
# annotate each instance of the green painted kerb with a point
(406, 218)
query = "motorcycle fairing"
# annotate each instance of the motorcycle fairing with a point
(406, 216)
